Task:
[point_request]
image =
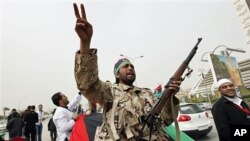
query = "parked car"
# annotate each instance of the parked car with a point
(193, 120)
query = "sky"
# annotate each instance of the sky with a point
(38, 42)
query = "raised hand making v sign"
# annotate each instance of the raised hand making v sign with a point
(83, 29)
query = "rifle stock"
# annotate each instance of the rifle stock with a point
(168, 93)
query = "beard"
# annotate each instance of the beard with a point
(130, 80)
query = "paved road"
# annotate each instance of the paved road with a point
(212, 135)
(46, 133)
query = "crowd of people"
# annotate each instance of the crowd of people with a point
(27, 124)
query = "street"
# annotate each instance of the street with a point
(212, 135)
(45, 133)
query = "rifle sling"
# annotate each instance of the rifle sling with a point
(177, 129)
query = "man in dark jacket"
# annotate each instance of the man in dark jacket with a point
(11, 114)
(14, 125)
(30, 120)
(229, 110)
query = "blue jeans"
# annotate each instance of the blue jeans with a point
(39, 129)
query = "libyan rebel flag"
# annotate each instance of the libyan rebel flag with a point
(157, 91)
(85, 127)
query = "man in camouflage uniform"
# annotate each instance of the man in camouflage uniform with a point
(125, 106)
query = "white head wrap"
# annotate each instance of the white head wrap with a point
(222, 81)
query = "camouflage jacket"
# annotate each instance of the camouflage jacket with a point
(124, 107)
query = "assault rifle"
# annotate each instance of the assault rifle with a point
(167, 94)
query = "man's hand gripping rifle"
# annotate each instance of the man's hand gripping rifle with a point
(168, 93)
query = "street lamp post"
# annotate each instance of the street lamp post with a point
(207, 92)
(228, 49)
(132, 59)
(202, 57)
(224, 52)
